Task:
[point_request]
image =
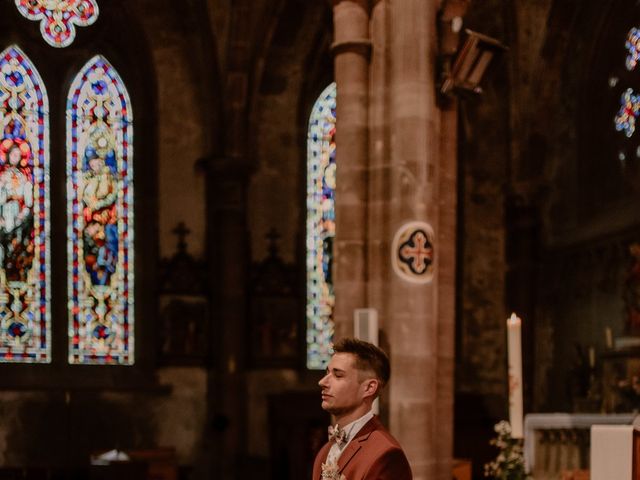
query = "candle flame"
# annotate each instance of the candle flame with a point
(513, 319)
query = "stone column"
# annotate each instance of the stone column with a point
(229, 244)
(446, 238)
(452, 11)
(421, 315)
(379, 241)
(352, 50)
(228, 238)
(409, 174)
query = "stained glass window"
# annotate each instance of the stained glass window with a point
(633, 46)
(58, 18)
(629, 110)
(629, 106)
(321, 228)
(100, 217)
(25, 325)
(623, 85)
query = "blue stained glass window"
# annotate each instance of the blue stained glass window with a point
(25, 324)
(100, 227)
(320, 228)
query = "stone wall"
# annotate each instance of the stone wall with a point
(61, 428)
(185, 118)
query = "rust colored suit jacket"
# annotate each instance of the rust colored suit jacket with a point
(372, 455)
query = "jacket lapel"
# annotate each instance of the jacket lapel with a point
(356, 444)
(324, 453)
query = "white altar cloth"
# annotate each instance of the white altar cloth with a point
(611, 452)
(559, 421)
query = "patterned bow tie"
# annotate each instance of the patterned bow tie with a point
(338, 435)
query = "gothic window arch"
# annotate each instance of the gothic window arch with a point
(100, 205)
(320, 228)
(100, 208)
(129, 86)
(25, 316)
(609, 142)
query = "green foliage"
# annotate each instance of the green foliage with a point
(509, 464)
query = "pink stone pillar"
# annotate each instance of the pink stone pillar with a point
(379, 160)
(351, 50)
(397, 163)
(446, 238)
(420, 316)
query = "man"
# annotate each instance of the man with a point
(359, 447)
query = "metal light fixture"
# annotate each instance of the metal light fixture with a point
(471, 63)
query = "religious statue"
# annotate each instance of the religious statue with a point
(16, 210)
(99, 195)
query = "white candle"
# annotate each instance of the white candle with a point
(609, 337)
(514, 349)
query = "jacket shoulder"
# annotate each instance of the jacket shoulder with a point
(320, 457)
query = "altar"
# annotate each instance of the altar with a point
(557, 443)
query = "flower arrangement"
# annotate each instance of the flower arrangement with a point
(509, 464)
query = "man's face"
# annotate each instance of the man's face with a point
(342, 390)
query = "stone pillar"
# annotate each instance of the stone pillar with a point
(421, 315)
(446, 238)
(228, 238)
(407, 174)
(379, 241)
(451, 12)
(352, 50)
(229, 244)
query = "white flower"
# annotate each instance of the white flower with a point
(509, 463)
(330, 472)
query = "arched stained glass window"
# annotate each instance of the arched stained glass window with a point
(25, 325)
(321, 187)
(629, 108)
(607, 110)
(617, 167)
(100, 208)
(58, 18)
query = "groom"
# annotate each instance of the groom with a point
(359, 447)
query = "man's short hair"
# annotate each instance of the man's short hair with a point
(368, 357)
